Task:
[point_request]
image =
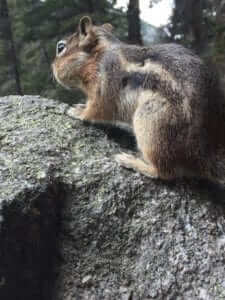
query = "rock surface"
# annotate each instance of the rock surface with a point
(74, 225)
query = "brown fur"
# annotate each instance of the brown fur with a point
(165, 93)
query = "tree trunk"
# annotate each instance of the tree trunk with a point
(8, 35)
(90, 6)
(134, 23)
(219, 56)
(197, 25)
(188, 20)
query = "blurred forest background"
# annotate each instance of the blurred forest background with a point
(29, 30)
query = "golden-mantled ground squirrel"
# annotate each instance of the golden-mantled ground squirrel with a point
(167, 95)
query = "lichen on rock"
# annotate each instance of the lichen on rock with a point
(75, 225)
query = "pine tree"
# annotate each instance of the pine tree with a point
(134, 24)
(37, 26)
(9, 44)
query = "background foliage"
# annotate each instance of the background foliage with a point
(29, 30)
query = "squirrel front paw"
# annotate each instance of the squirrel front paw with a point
(76, 111)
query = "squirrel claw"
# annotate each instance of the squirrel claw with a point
(129, 161)
(76, 111)
(125, 160)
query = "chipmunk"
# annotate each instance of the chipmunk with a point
(165, 93)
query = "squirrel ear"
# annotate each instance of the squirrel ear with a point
(108, 27)
(87, 37)
(85, 25)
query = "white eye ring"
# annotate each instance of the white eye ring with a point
(60, 48)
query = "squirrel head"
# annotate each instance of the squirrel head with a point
(77, 55)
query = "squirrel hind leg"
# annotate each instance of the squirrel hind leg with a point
(131, 162)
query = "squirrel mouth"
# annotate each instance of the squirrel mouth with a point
(56, 76)
(68, 82)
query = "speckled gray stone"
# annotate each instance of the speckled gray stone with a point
(116, 234)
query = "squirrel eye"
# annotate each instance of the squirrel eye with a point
(60, 48)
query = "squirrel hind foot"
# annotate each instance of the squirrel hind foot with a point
(76, 111)
(131, 162)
